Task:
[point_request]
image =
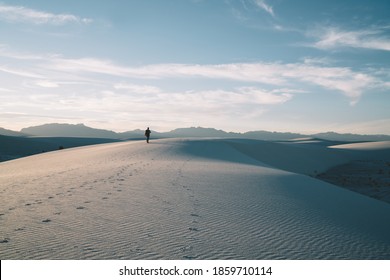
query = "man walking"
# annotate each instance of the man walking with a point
(147, 134)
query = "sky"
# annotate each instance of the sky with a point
(238, 65)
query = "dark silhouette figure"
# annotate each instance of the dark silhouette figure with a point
(147, 134)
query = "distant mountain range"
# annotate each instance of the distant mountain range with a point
(7, 132)
(80, 130)
(51, 137)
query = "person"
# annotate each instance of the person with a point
(147, 134)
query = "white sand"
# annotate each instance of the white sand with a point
(187, 199)
(364, 146)
(369, 171)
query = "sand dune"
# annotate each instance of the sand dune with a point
(188, 199)
(13, 147)
(366, 146)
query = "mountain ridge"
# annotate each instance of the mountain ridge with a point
(81, 130)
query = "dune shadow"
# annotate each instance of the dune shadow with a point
(303, 159)
(217, 150)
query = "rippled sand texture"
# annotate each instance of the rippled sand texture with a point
(185, 199)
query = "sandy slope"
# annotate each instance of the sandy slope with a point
(369, 171)
(187, 199)
(12, 147)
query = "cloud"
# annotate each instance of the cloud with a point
(333, 38)
(47, 84)
(19, 72)
(6, 89)
(344, 80)
(23, 14)
(264, 97)
(263, 5)
(350, 83)
(92, 65)
(134, 88)
(242, 96)
(293, 76)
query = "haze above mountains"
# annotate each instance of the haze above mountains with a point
(82, 131)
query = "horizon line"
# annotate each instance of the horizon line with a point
(199, 127)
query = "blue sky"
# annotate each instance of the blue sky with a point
(238, 65)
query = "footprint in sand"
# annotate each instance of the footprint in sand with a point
(186, 248)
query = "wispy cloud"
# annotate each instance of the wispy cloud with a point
(342, 79)
(332, 38)
(19, 72)
(241, 96)
(264, 97)
(47, 84)
(136, 88)
(24, 14)
(351, 84)
(5, 51)
(6, 90)
(92, 89)
(53, 70)
(266, 7)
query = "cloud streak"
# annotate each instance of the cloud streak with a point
(19, 72)
(342, 79)
(27, 15)
(136, 88)
(278, 75)
(91, 89)
(263, 5)
(333, 38)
